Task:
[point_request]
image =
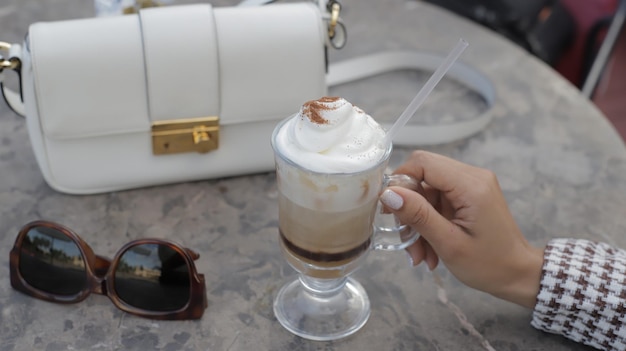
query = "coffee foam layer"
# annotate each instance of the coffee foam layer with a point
(330, 135)
(326, 193)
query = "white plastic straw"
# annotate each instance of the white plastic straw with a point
(421, 96)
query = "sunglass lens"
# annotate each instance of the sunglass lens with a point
(52, 262)
(153, 277)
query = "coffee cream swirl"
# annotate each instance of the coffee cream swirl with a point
(330, 135)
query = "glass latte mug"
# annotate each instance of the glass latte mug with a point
(328, 224)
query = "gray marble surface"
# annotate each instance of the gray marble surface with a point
(560, 163)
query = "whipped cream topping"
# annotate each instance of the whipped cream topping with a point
(331, 135)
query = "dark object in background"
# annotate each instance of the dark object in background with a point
(592, 18)
(543, 27)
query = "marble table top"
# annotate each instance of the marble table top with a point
(560, 163)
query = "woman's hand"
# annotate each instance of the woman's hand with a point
(464, 220)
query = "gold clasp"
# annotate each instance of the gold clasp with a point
(336, 30)
(10, 63)
(335, 9)
(201, 134)
(185, 135)
(140, 4)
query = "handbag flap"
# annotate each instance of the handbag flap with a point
(181, 62)
(117, 75)
(272, 59)
(89, 76)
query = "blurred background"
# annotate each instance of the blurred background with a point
(584, 40)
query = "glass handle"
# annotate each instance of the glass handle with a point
(389, 233)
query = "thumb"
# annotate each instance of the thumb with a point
(414, 210)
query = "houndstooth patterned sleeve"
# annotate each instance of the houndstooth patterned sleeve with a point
(583, 293)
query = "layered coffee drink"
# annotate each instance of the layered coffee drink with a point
(330, 160)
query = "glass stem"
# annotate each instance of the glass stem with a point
(322, 288)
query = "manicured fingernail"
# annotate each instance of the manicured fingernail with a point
(391, 199)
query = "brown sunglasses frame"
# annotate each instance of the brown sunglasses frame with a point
(100, 271)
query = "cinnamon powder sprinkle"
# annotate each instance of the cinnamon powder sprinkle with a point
(312, 109)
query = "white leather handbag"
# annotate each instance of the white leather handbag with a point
(173, 94)
(184, 93)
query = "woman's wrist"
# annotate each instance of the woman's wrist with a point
(526, 279)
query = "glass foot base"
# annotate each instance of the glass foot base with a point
(320, 315)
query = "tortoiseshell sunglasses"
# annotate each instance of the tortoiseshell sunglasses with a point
(151, 278)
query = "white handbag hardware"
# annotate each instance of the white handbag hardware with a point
(191, 93)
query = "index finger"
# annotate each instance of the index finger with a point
(438, 171)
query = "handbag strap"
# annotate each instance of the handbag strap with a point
(366, 66)
(14, 62)
(414, 134)
(13, 100)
